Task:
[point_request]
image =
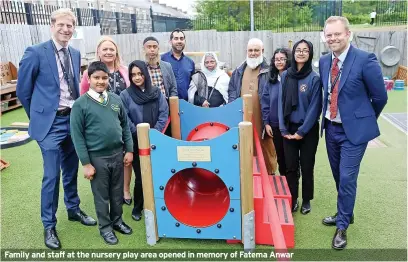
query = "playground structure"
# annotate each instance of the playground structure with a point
(204, 182)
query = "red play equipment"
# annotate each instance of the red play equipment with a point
(188, 196)
(198, 189)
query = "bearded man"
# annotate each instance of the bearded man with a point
(249, 78)
(161, 73)
(183, 66)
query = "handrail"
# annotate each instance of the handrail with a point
(277, 233)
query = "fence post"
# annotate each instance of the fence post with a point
(151, 16)
(95, 16)
(117, 15)
(78, 11)
(134, 23)
(29, 13)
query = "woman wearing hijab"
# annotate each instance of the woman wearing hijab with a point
(269, 102)
(299, 107)
(143, 104)
(209, 87)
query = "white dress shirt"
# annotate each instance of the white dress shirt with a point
(65, 97)
(95, 95)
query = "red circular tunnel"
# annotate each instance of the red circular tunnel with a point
(194, 196)
(197, 197)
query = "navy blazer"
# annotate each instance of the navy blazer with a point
(38, 86)
(362, 94)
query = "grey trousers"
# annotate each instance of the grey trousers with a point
(107, 189)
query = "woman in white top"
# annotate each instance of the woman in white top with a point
(209, 86)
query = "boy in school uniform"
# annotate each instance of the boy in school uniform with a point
(100, 134)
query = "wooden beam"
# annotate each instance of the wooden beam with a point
(147, 182)
(247, 195)
(175, 117)
(247, 108)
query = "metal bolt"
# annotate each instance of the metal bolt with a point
(252, 238)
(250, 219)
(173, 170)
(196, 129)
(194, 164)
(234, 237)
(231, 188)
(164, 235)
(219, 225)
(231, 209)
(153, 147)
(227, 128)
(177, 224)
(161, 187)
(163, 208)
(211, 124)
(198, 231)
(216, 171)
(234, 146)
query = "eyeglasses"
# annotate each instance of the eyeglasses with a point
(280, 60)
(302, 51)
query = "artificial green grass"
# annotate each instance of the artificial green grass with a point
(380, 211)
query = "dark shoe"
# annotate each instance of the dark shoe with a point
(137, 216)
(340, 239)
(127, 201)
(295, 206)
(305, 207)
(83, 218)
(51, 239)
(123, 228)
(331, 220)
(110, 238)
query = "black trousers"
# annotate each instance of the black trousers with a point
(138, 189)
(278, 142)
(107, 189)
(305, 150)
(372, 21)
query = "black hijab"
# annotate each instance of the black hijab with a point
(290, 90)
(149, 99)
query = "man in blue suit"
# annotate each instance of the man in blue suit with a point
(47, 86)
(354, 96)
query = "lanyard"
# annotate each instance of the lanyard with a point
(333, 83)
(114, 83)
(62, 66)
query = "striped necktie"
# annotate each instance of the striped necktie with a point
(335, 89)
(101, 98)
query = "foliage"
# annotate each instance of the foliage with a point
(296, 15)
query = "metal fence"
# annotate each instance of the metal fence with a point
(276, 16)
(295, 15)
(13, 12)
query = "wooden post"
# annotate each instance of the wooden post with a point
(247, 195)
(175, 117)
(147, 183)
(247, 107)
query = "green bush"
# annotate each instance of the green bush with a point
(357, 19)
(393, 17)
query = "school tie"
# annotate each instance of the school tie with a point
(101, 98)
(67, 66)
(333, 99)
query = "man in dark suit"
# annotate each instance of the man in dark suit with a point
(354, 96)
(47, 86)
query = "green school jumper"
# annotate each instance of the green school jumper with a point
(100, 134)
